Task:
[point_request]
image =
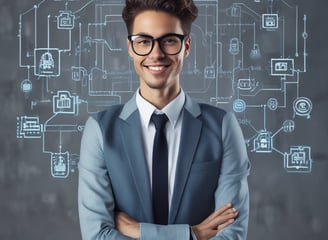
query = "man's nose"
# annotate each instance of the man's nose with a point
(157, 51)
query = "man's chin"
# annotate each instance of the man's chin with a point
(156, 85)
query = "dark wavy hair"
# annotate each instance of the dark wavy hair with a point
(185, 10)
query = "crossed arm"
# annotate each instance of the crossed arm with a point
(205, 230)
(97, 205)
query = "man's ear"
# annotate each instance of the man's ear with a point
(187, 47)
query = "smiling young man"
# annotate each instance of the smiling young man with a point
(185, 179)
(158, 72)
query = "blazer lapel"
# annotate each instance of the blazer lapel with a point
(133, 144)
(190, 133)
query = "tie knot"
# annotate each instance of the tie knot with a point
(159, 120)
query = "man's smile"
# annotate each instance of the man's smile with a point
(158, 68)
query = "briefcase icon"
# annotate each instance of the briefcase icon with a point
(65, 20)
(65, 103)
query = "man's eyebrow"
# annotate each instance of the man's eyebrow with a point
(148, 35)
(142, 33)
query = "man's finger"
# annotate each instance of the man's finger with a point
(218, 212)
(224, 225)
(222, 219)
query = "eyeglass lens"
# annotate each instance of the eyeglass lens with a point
(143, 45)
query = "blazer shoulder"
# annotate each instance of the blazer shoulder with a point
(209, 111)
(105, 117)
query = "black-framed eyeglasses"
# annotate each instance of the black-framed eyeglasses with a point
(170, 44)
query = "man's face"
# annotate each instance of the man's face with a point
(158, 70)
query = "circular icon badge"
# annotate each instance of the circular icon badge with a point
(302, 107)
(288, 126)
(239, 105)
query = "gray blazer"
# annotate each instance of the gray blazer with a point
(212, 170)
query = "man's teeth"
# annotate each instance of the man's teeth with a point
(156, 68)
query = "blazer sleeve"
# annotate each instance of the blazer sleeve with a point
(150, 231)
(232, 183)
(95, 198)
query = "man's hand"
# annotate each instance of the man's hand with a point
(215, 223)
(126, 225)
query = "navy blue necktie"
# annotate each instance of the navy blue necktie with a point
(160, 171)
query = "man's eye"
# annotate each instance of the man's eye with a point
(170, 41)
(143, 41)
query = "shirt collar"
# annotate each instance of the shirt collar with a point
(172, 110)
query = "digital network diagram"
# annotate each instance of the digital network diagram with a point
(247, 57)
